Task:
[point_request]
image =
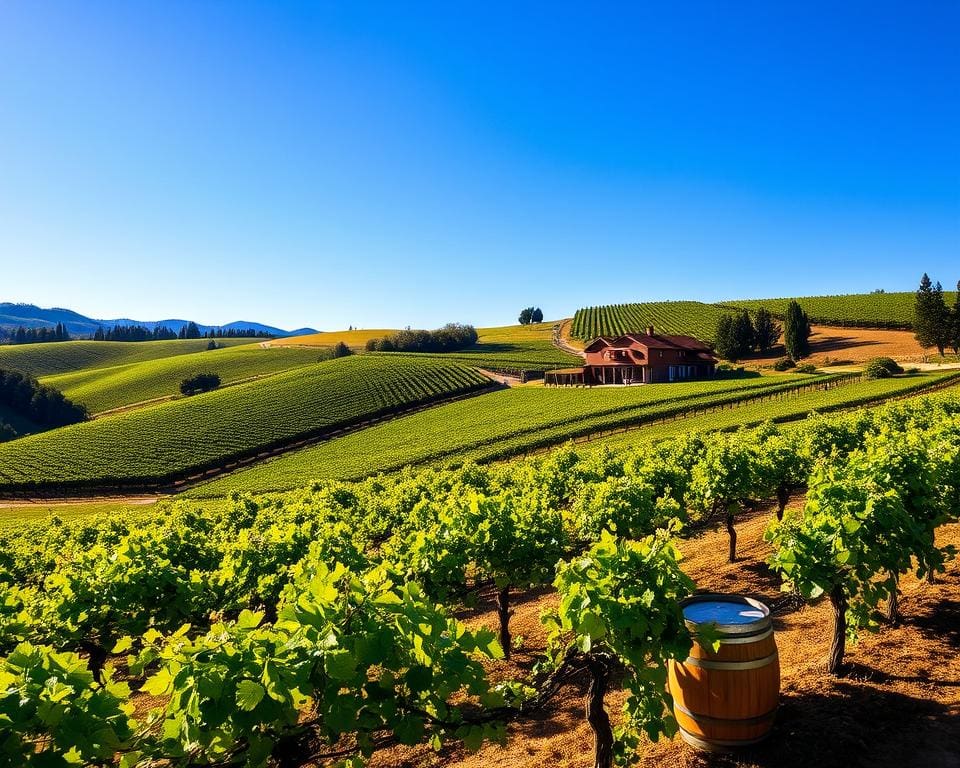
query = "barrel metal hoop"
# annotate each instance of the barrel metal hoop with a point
(713, 745)
(709, 719)
(741, 639)
(731, 665)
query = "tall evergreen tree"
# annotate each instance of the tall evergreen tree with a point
(931, 324)
(766, 330)
(743, 333)
(796, 331)
(955, 323)
(725, 338)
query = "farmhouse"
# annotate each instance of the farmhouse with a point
(639, 358)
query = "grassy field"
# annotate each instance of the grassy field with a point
(690, 318)
(512, 420)
(102, 389)
(353, 339)
(508, 347)
(66, 356)
(158, 442)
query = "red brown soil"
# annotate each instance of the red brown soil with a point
(856, 345)
(899, 704)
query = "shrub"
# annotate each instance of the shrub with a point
(340, 350)
(212, 344)
(806, 368)
(202, 382)
(784, 364)
(881, 368)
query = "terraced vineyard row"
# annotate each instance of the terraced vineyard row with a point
(690, 318)
(67, 356)
(864, 310)
(507, 422)
(160, 442)
(102, 389)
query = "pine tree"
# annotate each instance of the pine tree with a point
(766, 331)
(796, 331)
(942, 321)
(931, 325)
(955, 323)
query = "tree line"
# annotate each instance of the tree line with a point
(935, 324)
(36, 335)
(449, 338)
(42, 406)
(739, 334)
(162, 333)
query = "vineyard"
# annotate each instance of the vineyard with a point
(324, 625)
(507, 423)
(104, 389)
(692, 318)
(685, 318)
(864, 310)
(53, 358)
(154, 444)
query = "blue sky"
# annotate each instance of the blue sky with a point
(409, 163)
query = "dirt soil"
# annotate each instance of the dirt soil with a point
(856, 345)
(898, 705)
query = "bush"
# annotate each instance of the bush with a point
(212, 344)
(806, 368)
(340, 350)
(882, 368)
(784, 364)
(202, 382)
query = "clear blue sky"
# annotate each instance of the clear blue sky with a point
(411, 163)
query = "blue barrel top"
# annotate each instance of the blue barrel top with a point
(721, 612)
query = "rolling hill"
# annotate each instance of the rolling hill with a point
(58, 357)
(155, 444)
(103, 389)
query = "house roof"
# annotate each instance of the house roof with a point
(629, 341)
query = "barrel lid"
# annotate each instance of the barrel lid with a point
(733, 614)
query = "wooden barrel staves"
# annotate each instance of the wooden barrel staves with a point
(727, 699)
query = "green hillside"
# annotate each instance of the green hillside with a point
(858, 310)
(689, 318)
(864, 310)
(66, 356)
(522, 417)
(158, 442)
(510, 422)
(102, 389)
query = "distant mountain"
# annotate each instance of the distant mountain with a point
(13, 316)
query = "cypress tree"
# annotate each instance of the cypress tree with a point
(766, 331)
(796, 331)
(932, 324)
(955, 323)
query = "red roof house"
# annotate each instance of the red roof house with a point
(640, 358)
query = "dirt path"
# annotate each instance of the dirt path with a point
(561, 339)
(899, 706)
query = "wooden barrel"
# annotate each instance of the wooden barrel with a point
(727, 699)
